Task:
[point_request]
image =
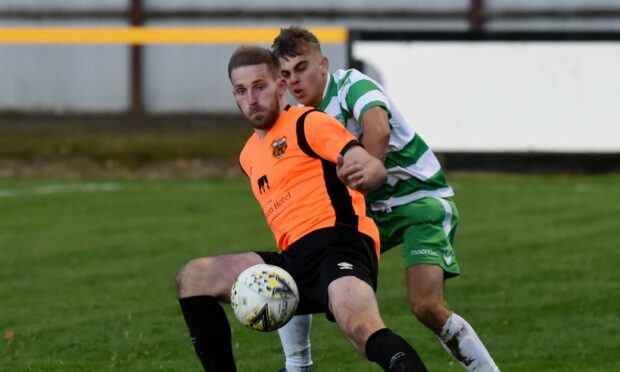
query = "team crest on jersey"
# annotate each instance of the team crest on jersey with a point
(279, 147)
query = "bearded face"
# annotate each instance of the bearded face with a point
(258, 95)
(262, 116)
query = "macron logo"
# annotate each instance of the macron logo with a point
(447, 258)
(345, 266)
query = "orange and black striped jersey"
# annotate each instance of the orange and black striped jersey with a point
(293, 175)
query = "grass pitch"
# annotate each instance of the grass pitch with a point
(87, 274)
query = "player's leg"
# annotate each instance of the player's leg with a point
(430, 259)
(425, 287)
(355, 309)
(460, 339)
(295, 339)
(348, 273)
(201, 283)
(425, 290)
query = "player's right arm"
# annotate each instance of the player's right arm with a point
(376, 132)
(365, 100)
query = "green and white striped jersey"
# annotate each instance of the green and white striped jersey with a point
(413, 170)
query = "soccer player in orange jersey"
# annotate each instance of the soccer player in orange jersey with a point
(309, 175)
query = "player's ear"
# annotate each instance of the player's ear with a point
(324, 65)
(282, 86)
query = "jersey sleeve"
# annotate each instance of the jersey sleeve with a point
(326, 136)
(362, 94)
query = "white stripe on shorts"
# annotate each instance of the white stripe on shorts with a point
(447, 219)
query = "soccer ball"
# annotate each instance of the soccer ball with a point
(264, 297)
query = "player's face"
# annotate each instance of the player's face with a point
(257, 94)
(306, 76)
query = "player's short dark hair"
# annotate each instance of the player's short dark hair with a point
(247, 55)
(294, 41)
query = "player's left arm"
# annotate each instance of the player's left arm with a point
(359, 170)
(376, 131)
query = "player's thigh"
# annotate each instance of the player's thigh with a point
(323, 256)
(353, 303)
(214, 275)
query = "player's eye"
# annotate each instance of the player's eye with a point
(240, 91)
(285, 75)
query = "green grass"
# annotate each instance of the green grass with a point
(127, 141)
(87, 272)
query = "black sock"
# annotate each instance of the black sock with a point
(209, 331)
(392, 352)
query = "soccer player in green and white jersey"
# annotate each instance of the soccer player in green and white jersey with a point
(413, 208)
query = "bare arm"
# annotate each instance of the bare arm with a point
(376, 132)
(360, 171)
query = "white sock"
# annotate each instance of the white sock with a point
(460, 340)
(295, 339)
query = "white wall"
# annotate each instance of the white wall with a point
(491, 96)
(64, 78)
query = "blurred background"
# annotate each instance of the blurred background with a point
(491, 84)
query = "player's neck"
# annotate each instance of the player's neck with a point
(319, 99)
(261, 133)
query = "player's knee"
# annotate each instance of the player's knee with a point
(181, 280)
(186, 278)
(358, 333)
(426, 311)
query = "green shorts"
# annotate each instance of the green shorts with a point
(426, 228)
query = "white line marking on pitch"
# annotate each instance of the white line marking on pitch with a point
(57, 189)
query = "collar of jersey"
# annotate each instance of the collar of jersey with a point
(329, 86)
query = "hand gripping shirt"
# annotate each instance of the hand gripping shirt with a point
(293, 175)
(413, 170)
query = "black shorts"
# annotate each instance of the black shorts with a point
(322, 256)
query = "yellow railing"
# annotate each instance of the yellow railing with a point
(157, 35)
